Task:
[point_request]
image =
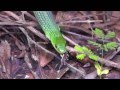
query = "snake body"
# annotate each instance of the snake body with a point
(51, 29)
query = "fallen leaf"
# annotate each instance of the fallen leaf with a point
(5, 53)
(5, 50)
(45, 58)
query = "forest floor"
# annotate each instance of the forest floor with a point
(25, 52)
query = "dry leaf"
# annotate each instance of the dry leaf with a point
(5, 53)
(5, 50)
(45, 58)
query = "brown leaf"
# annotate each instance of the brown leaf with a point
(45, 58)
(5, 50)
(5, 53)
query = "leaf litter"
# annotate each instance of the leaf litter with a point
(25, 53)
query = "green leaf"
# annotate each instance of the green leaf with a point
(106, 71)
(105, 47)
(94, 57)
(94, 43)
(98, 68)
(78, 48)
(80, 56)
(110, 45)
(86, 50)
(99, 33)
(110, 35)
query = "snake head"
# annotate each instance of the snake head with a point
(59, 43)
(60, 48)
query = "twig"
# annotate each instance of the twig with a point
(90, 15)
(69, 40)
(17, 23)
(106, 24)
(32, 41)
(12, 14)
(109, 63)
(81, 21)
(114, 54)
(80, 70)
(26, 58)
(62, 72)
(76, 27)
(33, 30)
(22, 47)
(85, 37)
(29, 15)
(79, 35)
(36, 32)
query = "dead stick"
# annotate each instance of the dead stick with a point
(32, 29)
(26, 58)
(32, 41)
(17, 23)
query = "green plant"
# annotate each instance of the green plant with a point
(100, 70)
(100, 34)
(83, 52)
(104, 46)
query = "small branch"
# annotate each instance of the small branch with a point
(77, 27)
(29, 15)
(81, 21)
(32, 41)
(26, 58)
(17, 41)
(80, 70)
(69, 40)
(114, 54)
(36, 32)
(17, 23)
(85, 37)
(61, 73)
(107, 24)
(32, 29)
(109, 63)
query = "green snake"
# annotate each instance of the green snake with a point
(51, 29)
